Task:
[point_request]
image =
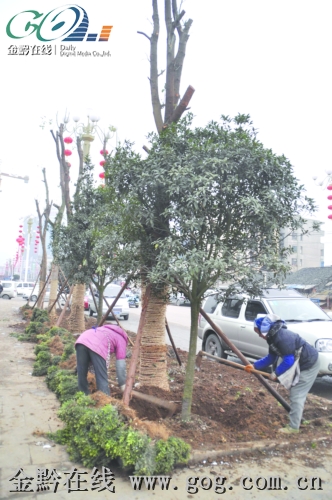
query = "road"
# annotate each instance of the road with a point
(179, 323)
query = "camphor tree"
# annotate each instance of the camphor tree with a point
(223, 198)
(91, 247)
(153, 366)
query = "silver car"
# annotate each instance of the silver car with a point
(235, 317)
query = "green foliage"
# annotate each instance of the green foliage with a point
(33, 330)
(69, 349)
(62, 382)
(95, 436)
(91, 245)
(55, 330)
(43, 361)
(40, 315)
(169, 453)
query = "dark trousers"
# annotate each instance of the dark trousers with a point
(84, 357)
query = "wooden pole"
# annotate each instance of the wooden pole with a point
(172, 342)
(226, 362)
(93, 297)
(134, 357)
(104, 318)
(42, 290)
(34, 286)
(244, 359)
(118, 322)
(60, 318)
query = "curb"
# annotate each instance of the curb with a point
(198, 456)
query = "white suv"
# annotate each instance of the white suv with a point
(24, 287)
(235, 317)
(9, 290)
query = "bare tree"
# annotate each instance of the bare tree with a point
(177, 38)
(44, 222)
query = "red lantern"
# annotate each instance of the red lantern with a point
(21, 225)
(102, 175)
(102, 163)
(104, 152)
(329, 197)
(329, 216)
(68, 140)
(330, 207)
(329, 187)
(68, 153)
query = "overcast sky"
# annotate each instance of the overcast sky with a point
(267, 58)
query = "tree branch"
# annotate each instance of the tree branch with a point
(156, 108)
(178, 63)
(180, 109)
(144, 34)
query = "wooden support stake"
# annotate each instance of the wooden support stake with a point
(172, 342)
(104, 318)
(60, 318)
(244, 359)
(42, 290)
(118, 322)
(230, 363)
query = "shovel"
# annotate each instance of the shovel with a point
(226, 362)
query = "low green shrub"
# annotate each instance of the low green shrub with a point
(56, 330)
(95, 436)
(62, 382)
(40, 315)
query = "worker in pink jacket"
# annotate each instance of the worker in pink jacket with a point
(95, 347)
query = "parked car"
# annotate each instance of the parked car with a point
(177, 299)
(24, 287)
(120, 310)
(33, 295)
(9, 290)
(133, 300)
(86, 301)
(235, 316)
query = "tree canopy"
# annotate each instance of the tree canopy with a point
(212, 201)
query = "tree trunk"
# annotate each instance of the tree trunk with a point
(153, 360)
(54, 291)
(41, 297)
(190, 369)
(76, 319)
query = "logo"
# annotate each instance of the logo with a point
(69, 22)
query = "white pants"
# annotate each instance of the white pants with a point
(298, 394)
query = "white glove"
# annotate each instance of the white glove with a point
(122, 387)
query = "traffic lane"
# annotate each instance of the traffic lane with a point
(178, 319)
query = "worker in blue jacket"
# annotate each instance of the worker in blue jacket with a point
(289, 349)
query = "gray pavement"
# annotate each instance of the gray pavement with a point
(28, 409)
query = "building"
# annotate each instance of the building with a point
(307, 249)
